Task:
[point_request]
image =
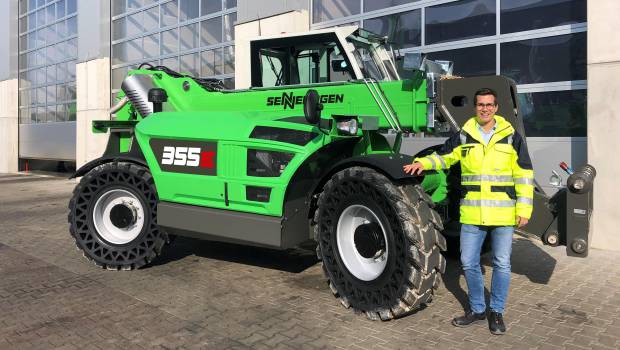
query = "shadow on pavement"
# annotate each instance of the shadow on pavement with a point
(292, 260)
(528, 260)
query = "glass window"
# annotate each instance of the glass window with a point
(23, 24)
(134, 50)
(460, 20)
(32, 23)
(229, 83)
(151, 46)
(229, 59)
(72, 26)
(24, 116)
(71, 46)
(24, 97)
(119, 28)
(51, 73)
(230, 3)
(371, 5)
(325, 10)
(206, 63)
(41, 93)
(520, 15)
(556, 58)
(23, 43)
(41, 18)
(189, 37)
(218, 61)
(51, 94)
(72, 6)
(210, 6)
(135, 24)
(134, 4)
(61, 72)
(61, 113)
(71, 73)
(61, 92)
(71, 111)
(403, 29)
(151, 19)
(23, 7)
(61, 30)
(39, 115)
(169, 41)
(470, 61)
(118, 7)
(189, 9)
(271, 64)
(51, 13)
(555, 113)
(188, 64)
(70, 92)
(169, 13)
(211, 31)
(118, 75)
(172, 63)
(229, 26)
(41, 79)
(60, 9)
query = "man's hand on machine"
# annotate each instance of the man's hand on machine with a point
(414, 169)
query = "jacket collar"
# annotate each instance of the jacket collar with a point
(503, 128)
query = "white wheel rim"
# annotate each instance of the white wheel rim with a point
(365, 269)
(103, 224)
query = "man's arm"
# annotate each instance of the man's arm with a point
(448, 154)
(523, 175)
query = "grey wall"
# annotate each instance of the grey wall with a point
(250, 10)
(8, 39)
(93, 29)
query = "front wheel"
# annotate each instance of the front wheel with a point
(112, 216)
(379, 243)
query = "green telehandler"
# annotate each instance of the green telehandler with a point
(311, 151)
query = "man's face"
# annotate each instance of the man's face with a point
(485, 108)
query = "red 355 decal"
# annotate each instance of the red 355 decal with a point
(193, 157)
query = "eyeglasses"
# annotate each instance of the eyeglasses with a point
(485, 105)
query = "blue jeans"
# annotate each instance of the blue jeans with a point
(472, 238)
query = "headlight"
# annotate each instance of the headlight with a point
(347, 125)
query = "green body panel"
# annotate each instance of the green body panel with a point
(407, 97)
(231, 131)
(227, 118)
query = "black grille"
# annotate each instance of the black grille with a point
(257, 194)
(296, 137)
(267, 163)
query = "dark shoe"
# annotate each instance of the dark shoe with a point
(496, 323)
(468, 318)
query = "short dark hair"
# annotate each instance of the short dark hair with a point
(485, 92)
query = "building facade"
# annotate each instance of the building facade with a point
(63, 60)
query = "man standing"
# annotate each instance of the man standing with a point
(497, 194)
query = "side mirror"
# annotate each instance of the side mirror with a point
(312, 107)
(340, 66)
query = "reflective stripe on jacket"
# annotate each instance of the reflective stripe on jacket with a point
(497, 179)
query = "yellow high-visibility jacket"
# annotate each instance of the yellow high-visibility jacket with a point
(497, 179)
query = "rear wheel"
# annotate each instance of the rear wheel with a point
(379, 243)
(112, 216)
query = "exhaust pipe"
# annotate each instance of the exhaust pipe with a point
(136, 87)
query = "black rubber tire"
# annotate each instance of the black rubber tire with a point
(414, 242)
(132, 255)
